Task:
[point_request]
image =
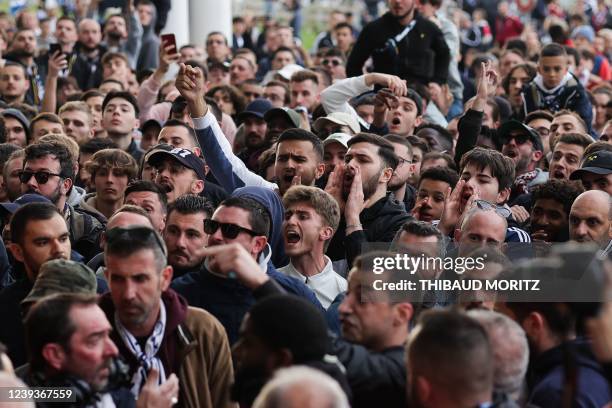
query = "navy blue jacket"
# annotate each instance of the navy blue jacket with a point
(546, 377)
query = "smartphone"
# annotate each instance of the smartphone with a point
(169, 39)
(53, 48)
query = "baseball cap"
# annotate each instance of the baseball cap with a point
(23, 200)
(339, 118)
(183, 156)
(508, 127)
(62, 276)
(341, 138)
(225, 66)
(291, 115)
(596, 163)
(585, 31)
(257, 108)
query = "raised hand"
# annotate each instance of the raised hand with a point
(355, 202)
(487, 81)
(335, 184)
(234, 261)
(57, 62)
(190, 84)
(453, 208)
(153, 395)
(166, 57)
(395, 84)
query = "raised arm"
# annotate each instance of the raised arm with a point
(228, 169)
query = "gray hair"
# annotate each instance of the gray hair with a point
(323, 391)
(510, 350)
(476, 210)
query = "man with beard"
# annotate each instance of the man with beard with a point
(10, 174)
(38, 234)
(181, 172)
(311, 218)
(119, 38)
(403, 43)
(14, 84)
(431, 193)
(256, 137)
(154, 328)
(119, 119)
(22, 50)
(524, 146)
(87, 67)
(48, 170)
(244, 221)
(299, 153)
(184, 233)
(398, 184)
(450, 362)
(371, 214)
(70, 346)
(590, 218)
(552, 202)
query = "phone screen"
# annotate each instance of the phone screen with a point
(169, 39)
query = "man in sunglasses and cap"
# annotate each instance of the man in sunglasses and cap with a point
(523, 145)
(154, 328)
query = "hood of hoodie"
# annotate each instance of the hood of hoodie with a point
(272, 202)
(76, 195)
(539, 81)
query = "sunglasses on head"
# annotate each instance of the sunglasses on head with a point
(487, 206)
(134, 234)
(333, 62)
(42, 177)
(229, 231)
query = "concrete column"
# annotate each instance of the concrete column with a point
(178, 22)
(209, 15)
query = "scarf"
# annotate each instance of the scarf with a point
(147, 358)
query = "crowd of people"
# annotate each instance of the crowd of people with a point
(196, 224)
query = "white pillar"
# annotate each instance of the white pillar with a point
(209, 15)
(178, 22)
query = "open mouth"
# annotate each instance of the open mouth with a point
(512, 154)
(167, 188)
(558, 174)
(396, 121)
(292, 237)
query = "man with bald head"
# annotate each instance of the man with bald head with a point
(87, 66)
(480, 227)
(590, 217)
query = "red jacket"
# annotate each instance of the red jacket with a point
(506, 28)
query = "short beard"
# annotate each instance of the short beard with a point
(522, 165)
(403, 16)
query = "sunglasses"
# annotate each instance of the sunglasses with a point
(519, 139)
(130, 234)
(42, 177)
(333, 62)
(487, 206)
(229, 231)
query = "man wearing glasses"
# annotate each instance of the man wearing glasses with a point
(244, 221)
(48, 170)
(153, 327)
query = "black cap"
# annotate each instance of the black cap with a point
(183, 156)
(597, 163)
(257, 108)
(508, 127)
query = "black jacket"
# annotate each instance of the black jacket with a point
(546, 377)
(423, 54)
(376, 379)
(87, 71)
(380, 223)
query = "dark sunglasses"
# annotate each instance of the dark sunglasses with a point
(134, 233)
(42, 177)
(519, 139)
(333, 62)
(487, 206)
(229, 231)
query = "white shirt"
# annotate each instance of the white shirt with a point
(326, 284)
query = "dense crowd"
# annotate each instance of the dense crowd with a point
(197, 224)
